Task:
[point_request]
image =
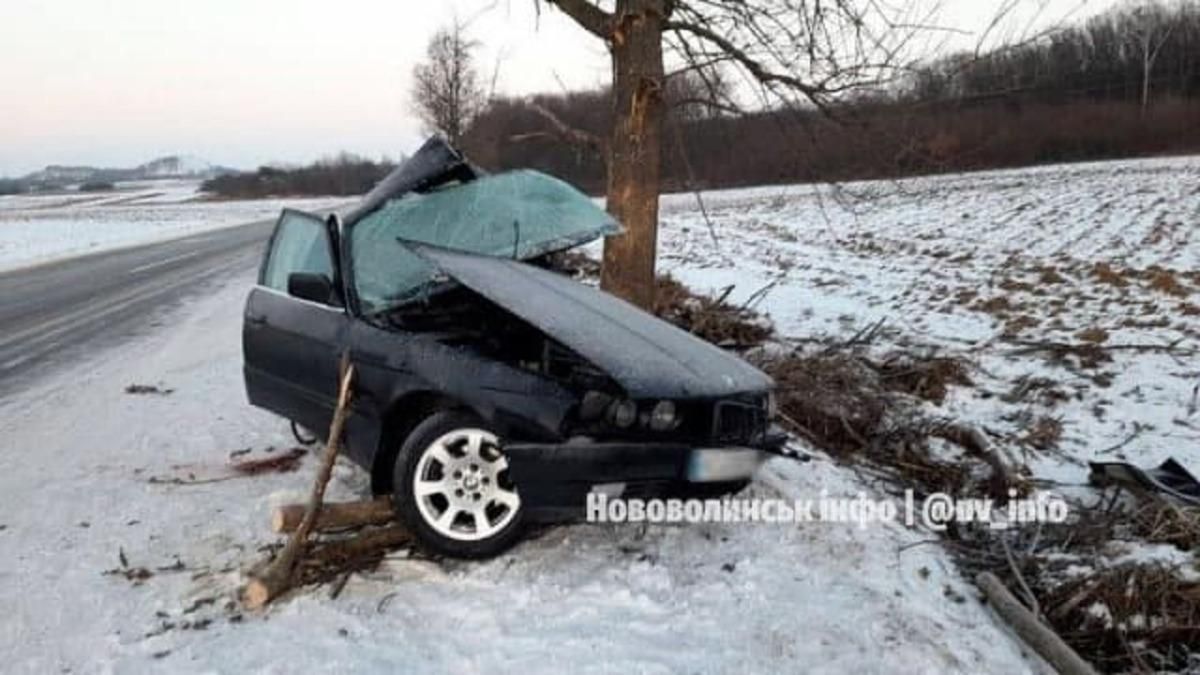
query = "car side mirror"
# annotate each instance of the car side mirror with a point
(313, 287)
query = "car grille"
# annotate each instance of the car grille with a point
(739, 422)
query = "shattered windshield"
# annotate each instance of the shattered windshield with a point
(520, 214)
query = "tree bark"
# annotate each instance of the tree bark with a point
(1037, 635)
(335, 516)
(635, 149)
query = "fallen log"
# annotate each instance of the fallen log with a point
(1036, 634)
(277, 576)
(334, 560)
(338, 516)
(364, 546)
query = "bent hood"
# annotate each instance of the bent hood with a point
(647, 356)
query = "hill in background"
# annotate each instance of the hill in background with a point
(59, 177)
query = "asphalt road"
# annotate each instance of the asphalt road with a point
(57, 313)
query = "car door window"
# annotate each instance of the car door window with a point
(301, 244)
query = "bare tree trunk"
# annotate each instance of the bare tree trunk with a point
(635, 149)
(1147, 66)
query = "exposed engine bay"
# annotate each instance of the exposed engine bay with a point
(458, 317)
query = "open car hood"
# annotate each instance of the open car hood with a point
(647, 356)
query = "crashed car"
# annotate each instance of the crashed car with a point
(491, 389)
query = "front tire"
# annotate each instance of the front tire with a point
(452, 488)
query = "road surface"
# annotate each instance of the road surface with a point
(57, 313)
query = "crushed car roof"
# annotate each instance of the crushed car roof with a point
(648, 357)
(433, 163)
(432, 199)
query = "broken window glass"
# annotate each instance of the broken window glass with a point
(520, 214)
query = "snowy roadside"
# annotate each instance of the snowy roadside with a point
(36, 229)
(968, 265)
(87, 471)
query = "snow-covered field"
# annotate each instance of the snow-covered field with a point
(39, 228)
(979, 265)
(958, 263)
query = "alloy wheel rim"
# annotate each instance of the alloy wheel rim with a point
(462, 488)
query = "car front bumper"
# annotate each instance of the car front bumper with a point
(553, 480)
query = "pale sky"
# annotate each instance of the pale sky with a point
(247, 82)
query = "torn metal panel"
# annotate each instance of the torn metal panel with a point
(1169, 479)
(648, 357)
(520, 214)
(434, 162)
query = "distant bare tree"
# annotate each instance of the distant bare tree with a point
(1151, 26)
(1129, 53)
(447, 92)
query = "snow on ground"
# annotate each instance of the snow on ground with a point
(973, 264)
(964, 264)
(86, 471)
(39, 228)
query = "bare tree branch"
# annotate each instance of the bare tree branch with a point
(756, 69)
(590, 17)
(560, 129)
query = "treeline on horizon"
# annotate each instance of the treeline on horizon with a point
(342, 175)
(1073, 95)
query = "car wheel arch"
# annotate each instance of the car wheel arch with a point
(410, 409)
(401, 417)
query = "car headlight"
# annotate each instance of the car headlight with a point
(593, 405)
(623, 413)
(663, 417)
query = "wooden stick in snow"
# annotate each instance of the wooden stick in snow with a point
(336, 516)
(1036, 634)
(277, 576)
(372, 542)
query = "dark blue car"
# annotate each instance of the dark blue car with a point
(491, 388)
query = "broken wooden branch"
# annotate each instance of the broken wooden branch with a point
(561, 130)
(367, 544)
(1037, 635)
(1004, 476)
(1030, 597)
(334, 560)
(1030, 346)
(277, 576)
(337, 516)
(864, 336)
(1138, 429)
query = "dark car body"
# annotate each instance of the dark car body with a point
(542, 358)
